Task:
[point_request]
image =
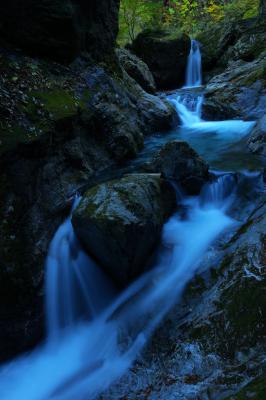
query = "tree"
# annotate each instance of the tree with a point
(263, 8)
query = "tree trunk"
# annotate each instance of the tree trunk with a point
(263, 8)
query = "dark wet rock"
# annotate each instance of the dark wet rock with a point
(60, 29)
(177, 161)
(223, 43)
(120, 222)
(213, 342)
(56, 137)
(166, 56)
(214, 43)
(240, 91)
(262, 8)
(137, 69)
(157, 114)
(257, 139)
(255, 389)
(125, 110)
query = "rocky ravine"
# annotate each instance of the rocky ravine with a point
(61, 126)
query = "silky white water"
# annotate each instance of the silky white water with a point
(72, 283)
(94, 335)
(194, 69)
(91, 355)
(189, 111)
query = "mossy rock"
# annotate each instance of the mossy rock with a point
(13, 135)
(166, 54)
(120, 222)
(255, 390)
(58, 103)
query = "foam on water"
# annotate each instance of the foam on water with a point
(91, 355)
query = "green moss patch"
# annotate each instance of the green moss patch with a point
(11, 136)
(256, 390)
(58, 103)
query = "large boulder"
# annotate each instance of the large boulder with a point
(124, 111)
(120, 222)
(257, 139)
(239, 91)
(243, 40)
(179, 162)
(212, 343)
(60, 29)
(137, 69)
(166, 56)
(56, 137)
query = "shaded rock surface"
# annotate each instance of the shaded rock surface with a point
(221, 44)
(166, 56)
(257, 139)
(240, 91)
(61, 127)
(213, 342)
(60, 29)
(137, 69)
(177, 161)
(120, 222)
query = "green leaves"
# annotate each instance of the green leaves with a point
(191, 16)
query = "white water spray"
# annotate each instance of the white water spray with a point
(89, 357)
(194, 69)
(72, 282)
(91, 341)
(189, 106)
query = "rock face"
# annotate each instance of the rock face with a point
(221, 44)
(165, 55)
(56, 136)
(60, 29)
(179, 162)
(120, 222)
(257, 139)
(213, 341)
(137, 69)
(262, 8)
(241, 87)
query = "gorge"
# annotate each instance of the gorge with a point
(151, 218)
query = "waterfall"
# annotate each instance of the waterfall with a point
(99, 348)
(72, 281)
(95, 334)
(189, 104)
(194, 69)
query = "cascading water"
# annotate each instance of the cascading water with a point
(194, 69)
(209, 138)
(95, 336)
(91, 355)
(72, 281)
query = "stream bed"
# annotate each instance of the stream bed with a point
(83, 357)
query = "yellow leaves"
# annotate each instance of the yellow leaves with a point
(214, 10)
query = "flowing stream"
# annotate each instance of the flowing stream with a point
(194, 74)
(95, 333)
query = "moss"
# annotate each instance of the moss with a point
(255, 390)
(244, 304)
(58, 103)
(241, 231)
(11, 136)
(196, 287)
(254, 76)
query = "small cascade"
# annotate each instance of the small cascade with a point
(92, 355)
(72, 281)
(219, 193)
(94, 333)
(188, 109)
(194, 68)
